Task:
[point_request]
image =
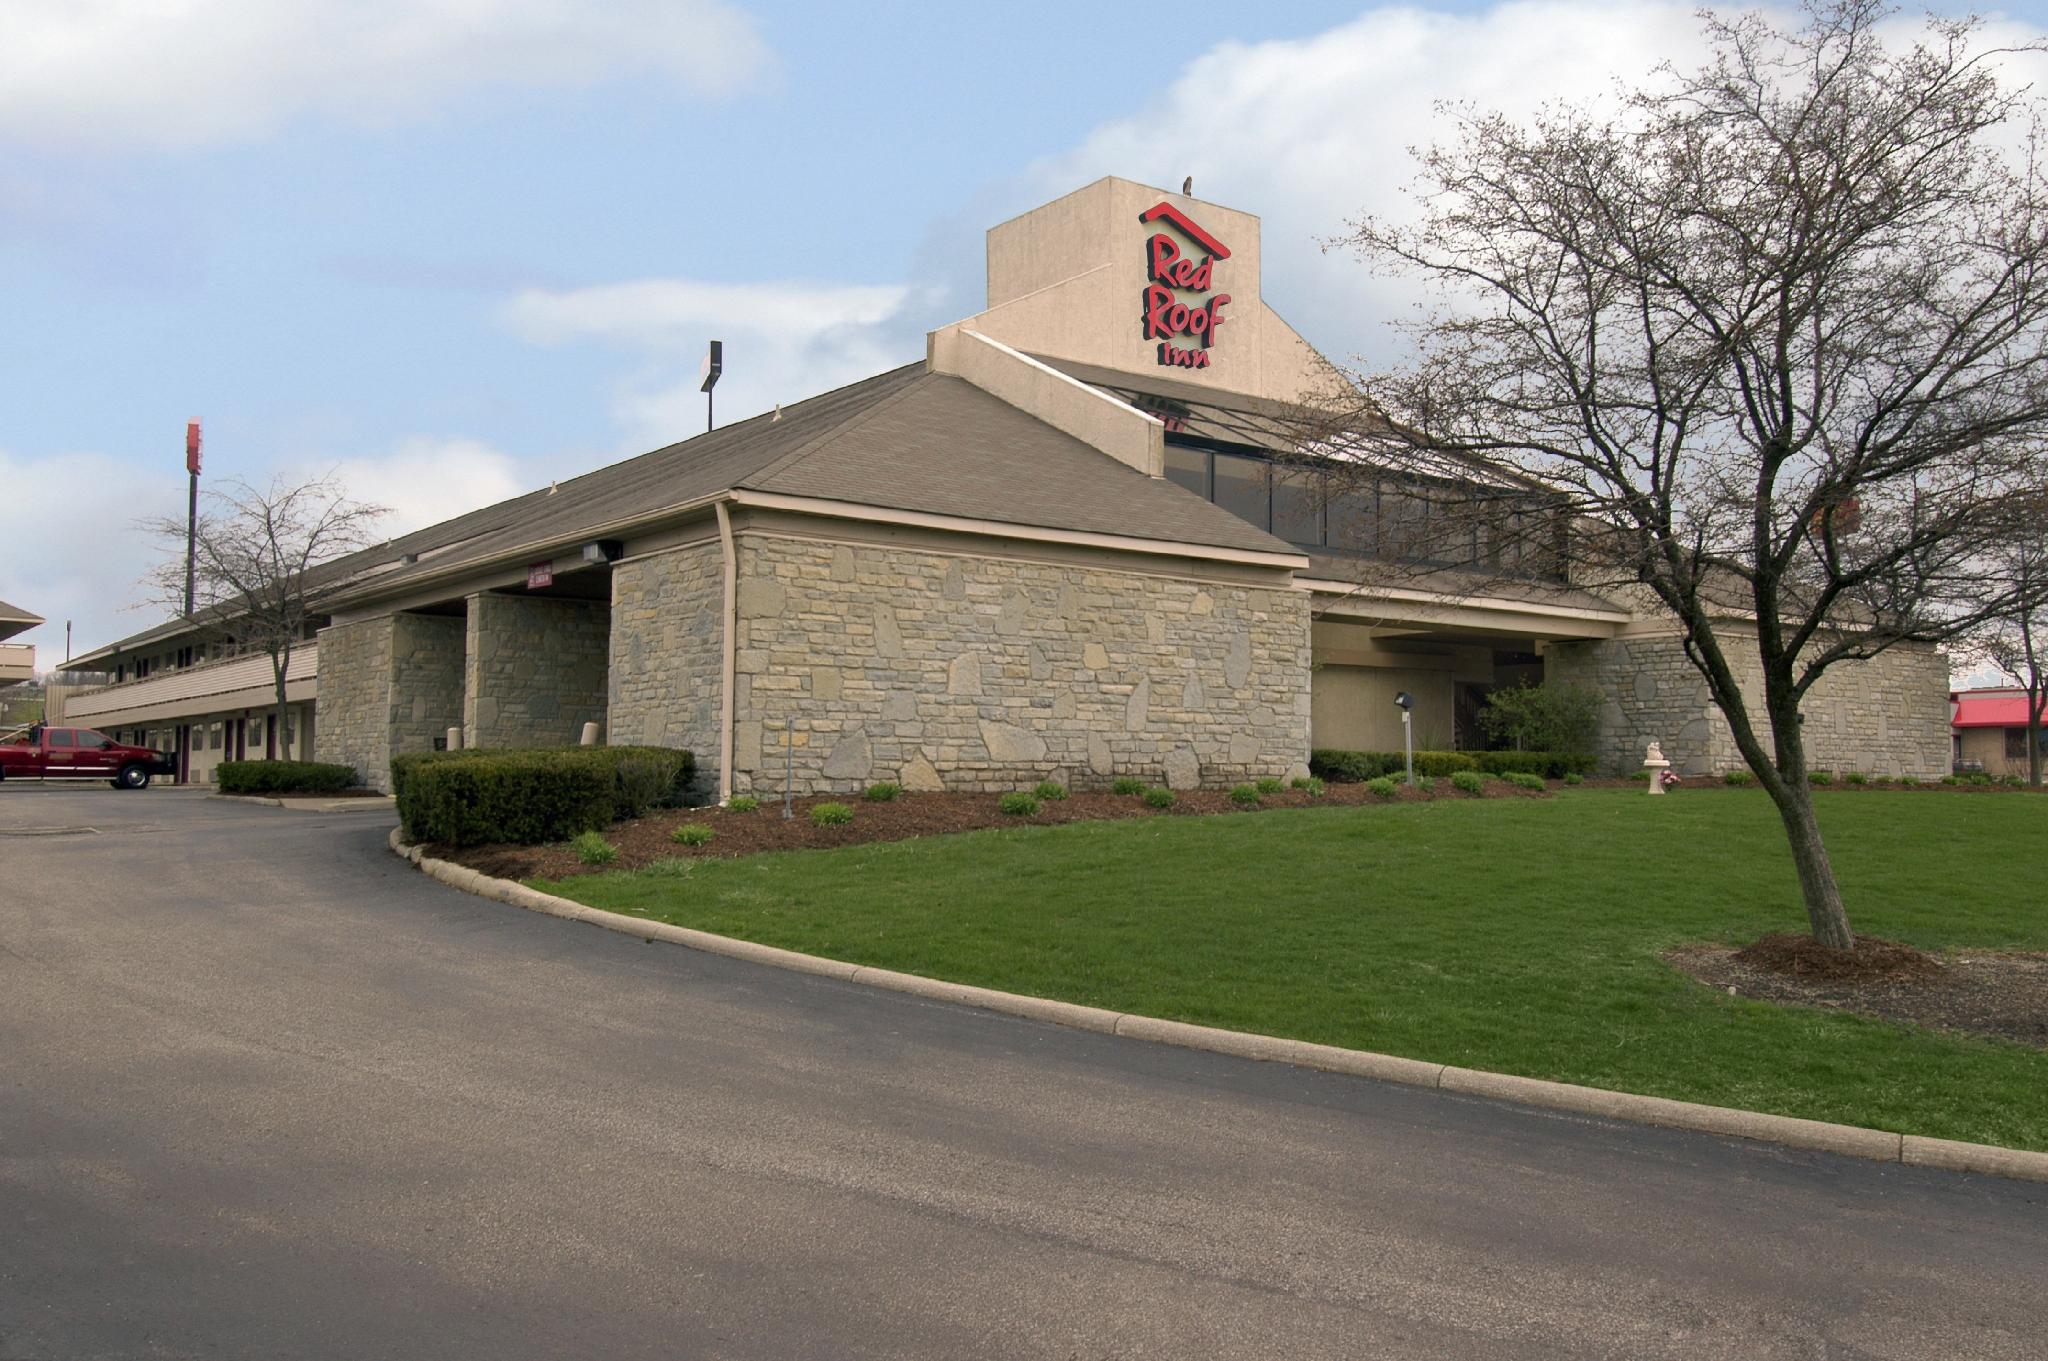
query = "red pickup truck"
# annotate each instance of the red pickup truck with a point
(46, 753)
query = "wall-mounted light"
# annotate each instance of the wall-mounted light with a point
(603, 550)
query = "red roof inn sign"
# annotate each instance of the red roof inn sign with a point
(1170, 273)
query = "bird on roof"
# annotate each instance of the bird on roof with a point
(1187, 187)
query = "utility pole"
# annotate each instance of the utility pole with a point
(191, 511)
(713, 365)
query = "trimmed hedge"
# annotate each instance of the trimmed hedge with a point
(284, 777)
(468, 798)
(1357, 767)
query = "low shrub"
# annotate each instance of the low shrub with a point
(1880, 779)
(1980, 778)
(742, 803)
(1051, 791)
(592, 849)
(1640, 776)
(1909, 779)
(1018, 803)
(831, 814)
(1425, 783)
(284, 777)
(1382, 787)
(881, 791)
(1127, 785)
(1469, 781)
(1270, 785)
(2015, 781)
(1573, 777)
(1738, 777)
(1159, 797)
(1524, 780)
(1820, 777)
(534, 795)
(692, 834)
(1856, 777)
(1951, 779)
(1310, 785)
(1551, 765)
(1245, 795)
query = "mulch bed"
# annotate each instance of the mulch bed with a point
(1999, 994)
(643, 841)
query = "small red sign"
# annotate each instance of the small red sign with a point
(192, 447)
(1168, 319)
(540, 576)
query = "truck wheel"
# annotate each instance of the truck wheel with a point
(132, 777)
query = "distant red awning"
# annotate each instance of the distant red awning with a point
(1990, 711)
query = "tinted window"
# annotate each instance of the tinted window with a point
(1353, 517)
(1242, 489)
(60, 737)
(1298, 506)
(1404, 525)
(1189, 468)
(91, 740)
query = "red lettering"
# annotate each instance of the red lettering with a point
(1158, 299)
(1215, 318)
(1164, 254)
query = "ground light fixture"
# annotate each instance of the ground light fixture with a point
(1404, 702)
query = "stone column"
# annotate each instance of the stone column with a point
(535, 670)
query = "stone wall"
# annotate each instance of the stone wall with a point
(426, 679)
(668, 650)
(978, 673)
(534, 670)
(354, 704)
(1888, 715)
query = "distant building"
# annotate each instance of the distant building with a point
(1990, 730)
(17, 660)
(1075, 539)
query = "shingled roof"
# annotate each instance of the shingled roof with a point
(14, 619)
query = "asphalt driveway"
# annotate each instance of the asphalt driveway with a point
(266, 1091)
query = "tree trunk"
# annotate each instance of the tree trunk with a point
(279, 661)
(1824, 910)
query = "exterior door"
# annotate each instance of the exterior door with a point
(62, 749)
(94, 756)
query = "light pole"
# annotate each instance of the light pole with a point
(1406, 702)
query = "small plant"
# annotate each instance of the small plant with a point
(2015, 782)
(742, 803)
(593, 849)
(1245, 795)
(831, 814)
(1523, 780)
(1425, 783)
(1980, 778)
(692, 834)
(1951, 779)
(1382, 787)
(1159, 797)
(881, 791)
(1311, 785)
(1468, 781)
(1737, 777)
(1017, 803)
(1909, 779)
(1573, 777)
(1050, 791)
(1127, 785)
(1856, 777)
(1820, 777)
(1640, 776)
(1269, 785)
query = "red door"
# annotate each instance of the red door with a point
(60, 753)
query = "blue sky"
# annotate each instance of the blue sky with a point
(457, 249)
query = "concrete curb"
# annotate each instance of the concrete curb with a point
(1787, 1131)
(309, 805)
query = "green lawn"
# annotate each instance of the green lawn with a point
(1514, 935)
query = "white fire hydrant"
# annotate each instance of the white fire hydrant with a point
(1654, 762)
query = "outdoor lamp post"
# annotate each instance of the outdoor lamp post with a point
(1406, 702)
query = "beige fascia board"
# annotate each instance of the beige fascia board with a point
(1068, 405)
(493, 567)
(960, 524)
(259, 697)
(1486, 614)
(1353, 591)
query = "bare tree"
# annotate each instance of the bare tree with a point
(254, 554)
(1773, 331)
(2016, 642)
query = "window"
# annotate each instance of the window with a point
(1189, 468)
(91, 741)
(61, 737)
(1354, 520)
(2015, 744)
(1404, 525)
(1243, 489)
(214, 733)
(1298, 506)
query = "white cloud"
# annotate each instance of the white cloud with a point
(194, 72)
(425, 480)
(783, 341)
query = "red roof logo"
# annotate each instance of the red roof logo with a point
(1167, 318)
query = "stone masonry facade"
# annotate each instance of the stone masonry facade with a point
(535, 670)
(1884, 716)
(353, 711)
(667, 654)
(426, 680)
(941, 671)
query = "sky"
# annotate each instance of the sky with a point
(451, 250)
